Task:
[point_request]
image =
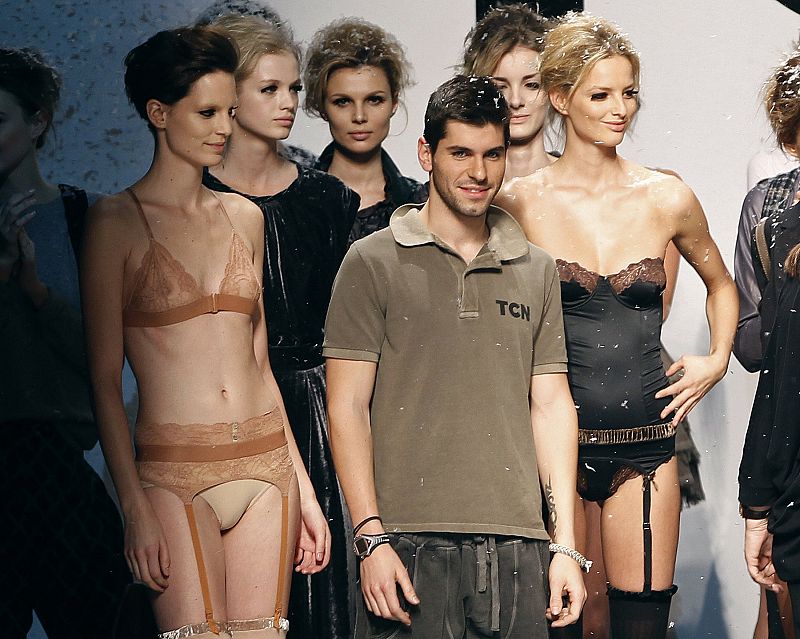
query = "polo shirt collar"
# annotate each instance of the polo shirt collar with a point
(506, 239)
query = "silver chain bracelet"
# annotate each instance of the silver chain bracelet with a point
(585, 564)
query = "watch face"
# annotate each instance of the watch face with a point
(361, 545)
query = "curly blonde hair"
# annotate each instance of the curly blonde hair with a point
(352, 43)
(255, 36)
(501, 30)
(575, 44)
(782, 101)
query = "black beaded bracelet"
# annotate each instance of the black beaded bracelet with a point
(750, 513)
(364, 521)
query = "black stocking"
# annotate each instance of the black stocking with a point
(639, 615)
(573, 631)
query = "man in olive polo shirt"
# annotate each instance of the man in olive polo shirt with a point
(449, 402)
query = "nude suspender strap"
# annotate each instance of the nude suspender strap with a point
(213, 626)
(284, 548)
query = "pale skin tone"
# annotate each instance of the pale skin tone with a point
(588, 515)
(182, 376)
(604, 212)
(466, 170)
(518, 78)
(359, 106)
(268, 98)
(21, 187)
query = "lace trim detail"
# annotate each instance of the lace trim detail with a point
(227, 627)
(605, 436)
(574, 272)
(257, 624)
(650, 269)
(161, 282)
(240, 278)
(184, 632)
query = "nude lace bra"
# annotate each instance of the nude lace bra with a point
(164, 293)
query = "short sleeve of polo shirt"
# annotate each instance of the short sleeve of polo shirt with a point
(549, 348)
(356, 323)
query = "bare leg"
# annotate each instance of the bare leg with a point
(181, 604)
(254, 562)
(636, 610)
(595, 611)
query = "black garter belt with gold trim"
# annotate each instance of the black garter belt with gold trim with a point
(609, 457)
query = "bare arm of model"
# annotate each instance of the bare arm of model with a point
(350, 385)
(555, 435)
(105, 252)
(672, 260)
(693, 240)
(314, 542)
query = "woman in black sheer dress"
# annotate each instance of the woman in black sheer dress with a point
(355, 75)
(307, 217)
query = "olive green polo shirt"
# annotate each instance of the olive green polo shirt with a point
(456, 345)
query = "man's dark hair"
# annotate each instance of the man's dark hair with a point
(468, 99)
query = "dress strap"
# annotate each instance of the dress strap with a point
(222, 206)
(139, 208)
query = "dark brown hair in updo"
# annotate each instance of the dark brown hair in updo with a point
(165, 67)
(352, 43)
(782, 101)
(35, 85)
(501, 30)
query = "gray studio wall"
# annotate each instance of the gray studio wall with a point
(703, 66)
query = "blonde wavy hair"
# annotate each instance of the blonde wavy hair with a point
(254, 36)
(575, 44)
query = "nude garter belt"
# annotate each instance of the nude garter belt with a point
(247, 453)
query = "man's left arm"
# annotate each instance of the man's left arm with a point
(555, 435)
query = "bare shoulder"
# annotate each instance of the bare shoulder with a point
(114, 216)
(244, 214)
(666, 190)
(519, 195)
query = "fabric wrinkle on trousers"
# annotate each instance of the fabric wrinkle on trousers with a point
(319, 605)
(469, 587)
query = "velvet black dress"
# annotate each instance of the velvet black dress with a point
(306, 227)
(399, 190)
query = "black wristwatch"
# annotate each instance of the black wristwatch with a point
(364, 545)
(749, 513)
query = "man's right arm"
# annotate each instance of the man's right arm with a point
(350, 385)
(747, 343)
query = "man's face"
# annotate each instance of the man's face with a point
(468, 166)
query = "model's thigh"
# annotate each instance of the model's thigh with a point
(254, 564)
(181, 603)
(595, 610)
(622, 535)
(522, 586)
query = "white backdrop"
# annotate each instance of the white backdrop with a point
(703, 66)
